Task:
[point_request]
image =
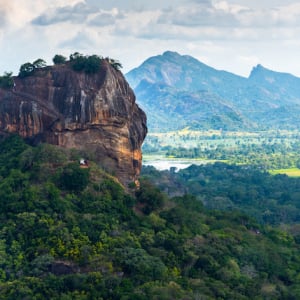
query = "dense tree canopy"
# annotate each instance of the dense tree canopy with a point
(59, 59)
(271, 199)
(99, 242)
(28, 68)
(89, 64)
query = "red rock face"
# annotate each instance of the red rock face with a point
(92, 112)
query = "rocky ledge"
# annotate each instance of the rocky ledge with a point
(96, 113)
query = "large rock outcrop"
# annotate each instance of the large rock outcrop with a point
(93, 112)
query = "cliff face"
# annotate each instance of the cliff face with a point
(92, 112)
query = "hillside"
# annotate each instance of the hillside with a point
(269, 199)
(73, 233)
(178, 91)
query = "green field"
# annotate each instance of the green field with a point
(292, 172)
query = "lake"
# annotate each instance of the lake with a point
(165, 164)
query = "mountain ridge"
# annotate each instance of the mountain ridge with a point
(256, 99)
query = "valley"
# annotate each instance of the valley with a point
(269, 150)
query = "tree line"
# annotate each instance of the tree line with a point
(80, 63)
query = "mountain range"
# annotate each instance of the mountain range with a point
(177, 91)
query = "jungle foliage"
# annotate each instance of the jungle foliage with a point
(96, 241)
(270, 199)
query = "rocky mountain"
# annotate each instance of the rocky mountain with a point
(94, 112)
(178, 90)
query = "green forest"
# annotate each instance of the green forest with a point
(73, 233)
(270, 199)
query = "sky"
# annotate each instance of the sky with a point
(232, 35)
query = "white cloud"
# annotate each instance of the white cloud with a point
(105, 18)
(81, 40)
(198, 15)
(5, 7)
(76, 13)
(230, 34)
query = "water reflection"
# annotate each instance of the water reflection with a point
(177, 164)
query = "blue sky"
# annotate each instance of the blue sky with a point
(229, 35)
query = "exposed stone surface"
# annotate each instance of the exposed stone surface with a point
(94, 112)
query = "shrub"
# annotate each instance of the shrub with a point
(88, 64)
(39, 63)
(114, 63)
(92, 64)
(151, 197)
(59, 59)
(26, 69)
(6, 81)
(73, 178)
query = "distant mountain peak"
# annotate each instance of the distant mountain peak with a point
(179, 90)
(260, 66)
(182, 58)
(257, 71)
(171, 53)
(260, 72)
